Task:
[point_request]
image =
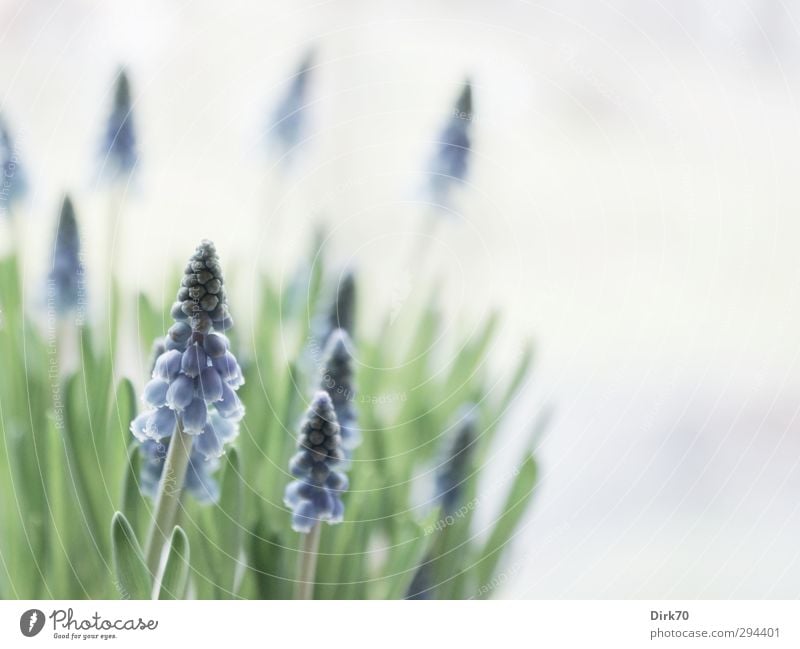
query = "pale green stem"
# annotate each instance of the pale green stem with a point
(307, 570)
(115, 206)
(168, 498)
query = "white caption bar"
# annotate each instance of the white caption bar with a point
(401, 624)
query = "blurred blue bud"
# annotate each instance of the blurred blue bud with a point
(289, 122)
(119, 149)
(450, 163)
(67, 273)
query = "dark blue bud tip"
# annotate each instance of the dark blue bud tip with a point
(201, 299)
(464, 101)
(122, 90)
(321, 404)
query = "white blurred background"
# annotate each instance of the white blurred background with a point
(633, 206)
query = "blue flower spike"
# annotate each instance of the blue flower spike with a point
(337, 381)
(195, 377)
(66, 275)
(289, 121)
(119, 149)
(450, 163)
(315, 495)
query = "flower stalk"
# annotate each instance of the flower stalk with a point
(165, 513)
(307, 569)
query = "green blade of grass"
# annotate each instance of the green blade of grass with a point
(132, 577)
(515, 506)
(175, 578)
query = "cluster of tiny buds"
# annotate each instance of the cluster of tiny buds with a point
(316, 494)
(201, 299)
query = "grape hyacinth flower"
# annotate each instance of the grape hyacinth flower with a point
(450, 162)
(455, 466)
(337, 381)
(119, 150)
(288, 124)
(66, 275)
(12, 181)
(194, 408)
(316, 494)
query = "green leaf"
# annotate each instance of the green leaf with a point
(117, 431)
(219, 558)
(150, 320)
(414, 544)
(59, 572)
(518, 376)
(228, 517)
(173, 582)
(269, 565)
(77, 440)
(133, 504)
(133, 578)
(516, 504)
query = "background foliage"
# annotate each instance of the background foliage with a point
(67, 462)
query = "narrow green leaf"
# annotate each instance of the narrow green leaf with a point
(228, 516)
(270, 565)
(59, 575)
(516, 504)
(133, 503)
(150, 321)
(114, 317)
(132, 577)
(117, 431)
(406, 556)
(518, 376)
(173, 582)
(77, 440)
